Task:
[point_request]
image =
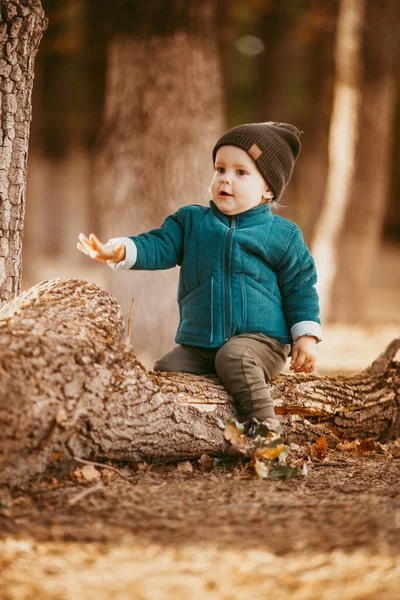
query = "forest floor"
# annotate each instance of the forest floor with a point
(185, 532)
(176, 533)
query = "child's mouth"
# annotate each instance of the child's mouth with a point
(225, 194)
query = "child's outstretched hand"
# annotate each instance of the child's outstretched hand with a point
(114, 251)
(304, 354)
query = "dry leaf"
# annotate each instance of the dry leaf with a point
(86, 473)
(234, 436)
(320, 448)
(185, 467)
(261, 469)
(366, 446)
(108, 475)
(269, 453)
(58, 455)
(384, 449)
(138, 467)
(282, 471)
(206, 462)
(347, 446)
(360, 447)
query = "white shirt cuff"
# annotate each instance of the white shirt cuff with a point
(130, 254)
(306, 328)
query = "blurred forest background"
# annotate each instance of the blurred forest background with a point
(130, 97)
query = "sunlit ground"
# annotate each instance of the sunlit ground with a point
(152, 572)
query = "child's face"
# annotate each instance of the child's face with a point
(237, 184)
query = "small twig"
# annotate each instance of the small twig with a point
(130, 319)
(328, 463)
(102, 466)
(78, 497)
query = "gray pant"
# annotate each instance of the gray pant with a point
(245, 363)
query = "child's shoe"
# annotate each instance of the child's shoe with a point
(249, 429)
(251, 426)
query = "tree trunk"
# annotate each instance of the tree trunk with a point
(360, 238)
(71, 385)
(348, 235)
(344, 131)
(21, 28)
(163, 114)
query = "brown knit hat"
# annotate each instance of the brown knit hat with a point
(274, 148)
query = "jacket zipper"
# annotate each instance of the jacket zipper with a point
(227, 304)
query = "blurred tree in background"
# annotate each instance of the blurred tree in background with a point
(163, 112)
(349, 230)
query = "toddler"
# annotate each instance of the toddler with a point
(246, 291)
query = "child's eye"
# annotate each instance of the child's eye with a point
(220, 169)
(241, 172)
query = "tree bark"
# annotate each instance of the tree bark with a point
(70, 385)
(163, 114)
(21, 27)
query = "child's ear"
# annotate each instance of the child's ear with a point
(268, 195)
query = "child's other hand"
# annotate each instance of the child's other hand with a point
(114, 251)
(304, 354)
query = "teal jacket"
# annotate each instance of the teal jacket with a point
(248, 273)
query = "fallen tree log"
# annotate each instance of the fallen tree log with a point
(70, 385)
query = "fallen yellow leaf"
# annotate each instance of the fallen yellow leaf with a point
(234, 436)
(268, 453)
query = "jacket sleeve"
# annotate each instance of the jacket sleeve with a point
(297, 277)
(160, 248)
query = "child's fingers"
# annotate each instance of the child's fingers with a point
(82, 248)
(84, 240)
(86, 243)
(87, 250)
(95, 249)
(307, 366)
(300, 359)
(95, 242)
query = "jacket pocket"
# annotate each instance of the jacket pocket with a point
(196, 312)
(244, 304)
(264, 310)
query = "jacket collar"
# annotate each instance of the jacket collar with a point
(250, 217)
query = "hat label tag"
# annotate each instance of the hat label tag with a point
(254, 152)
